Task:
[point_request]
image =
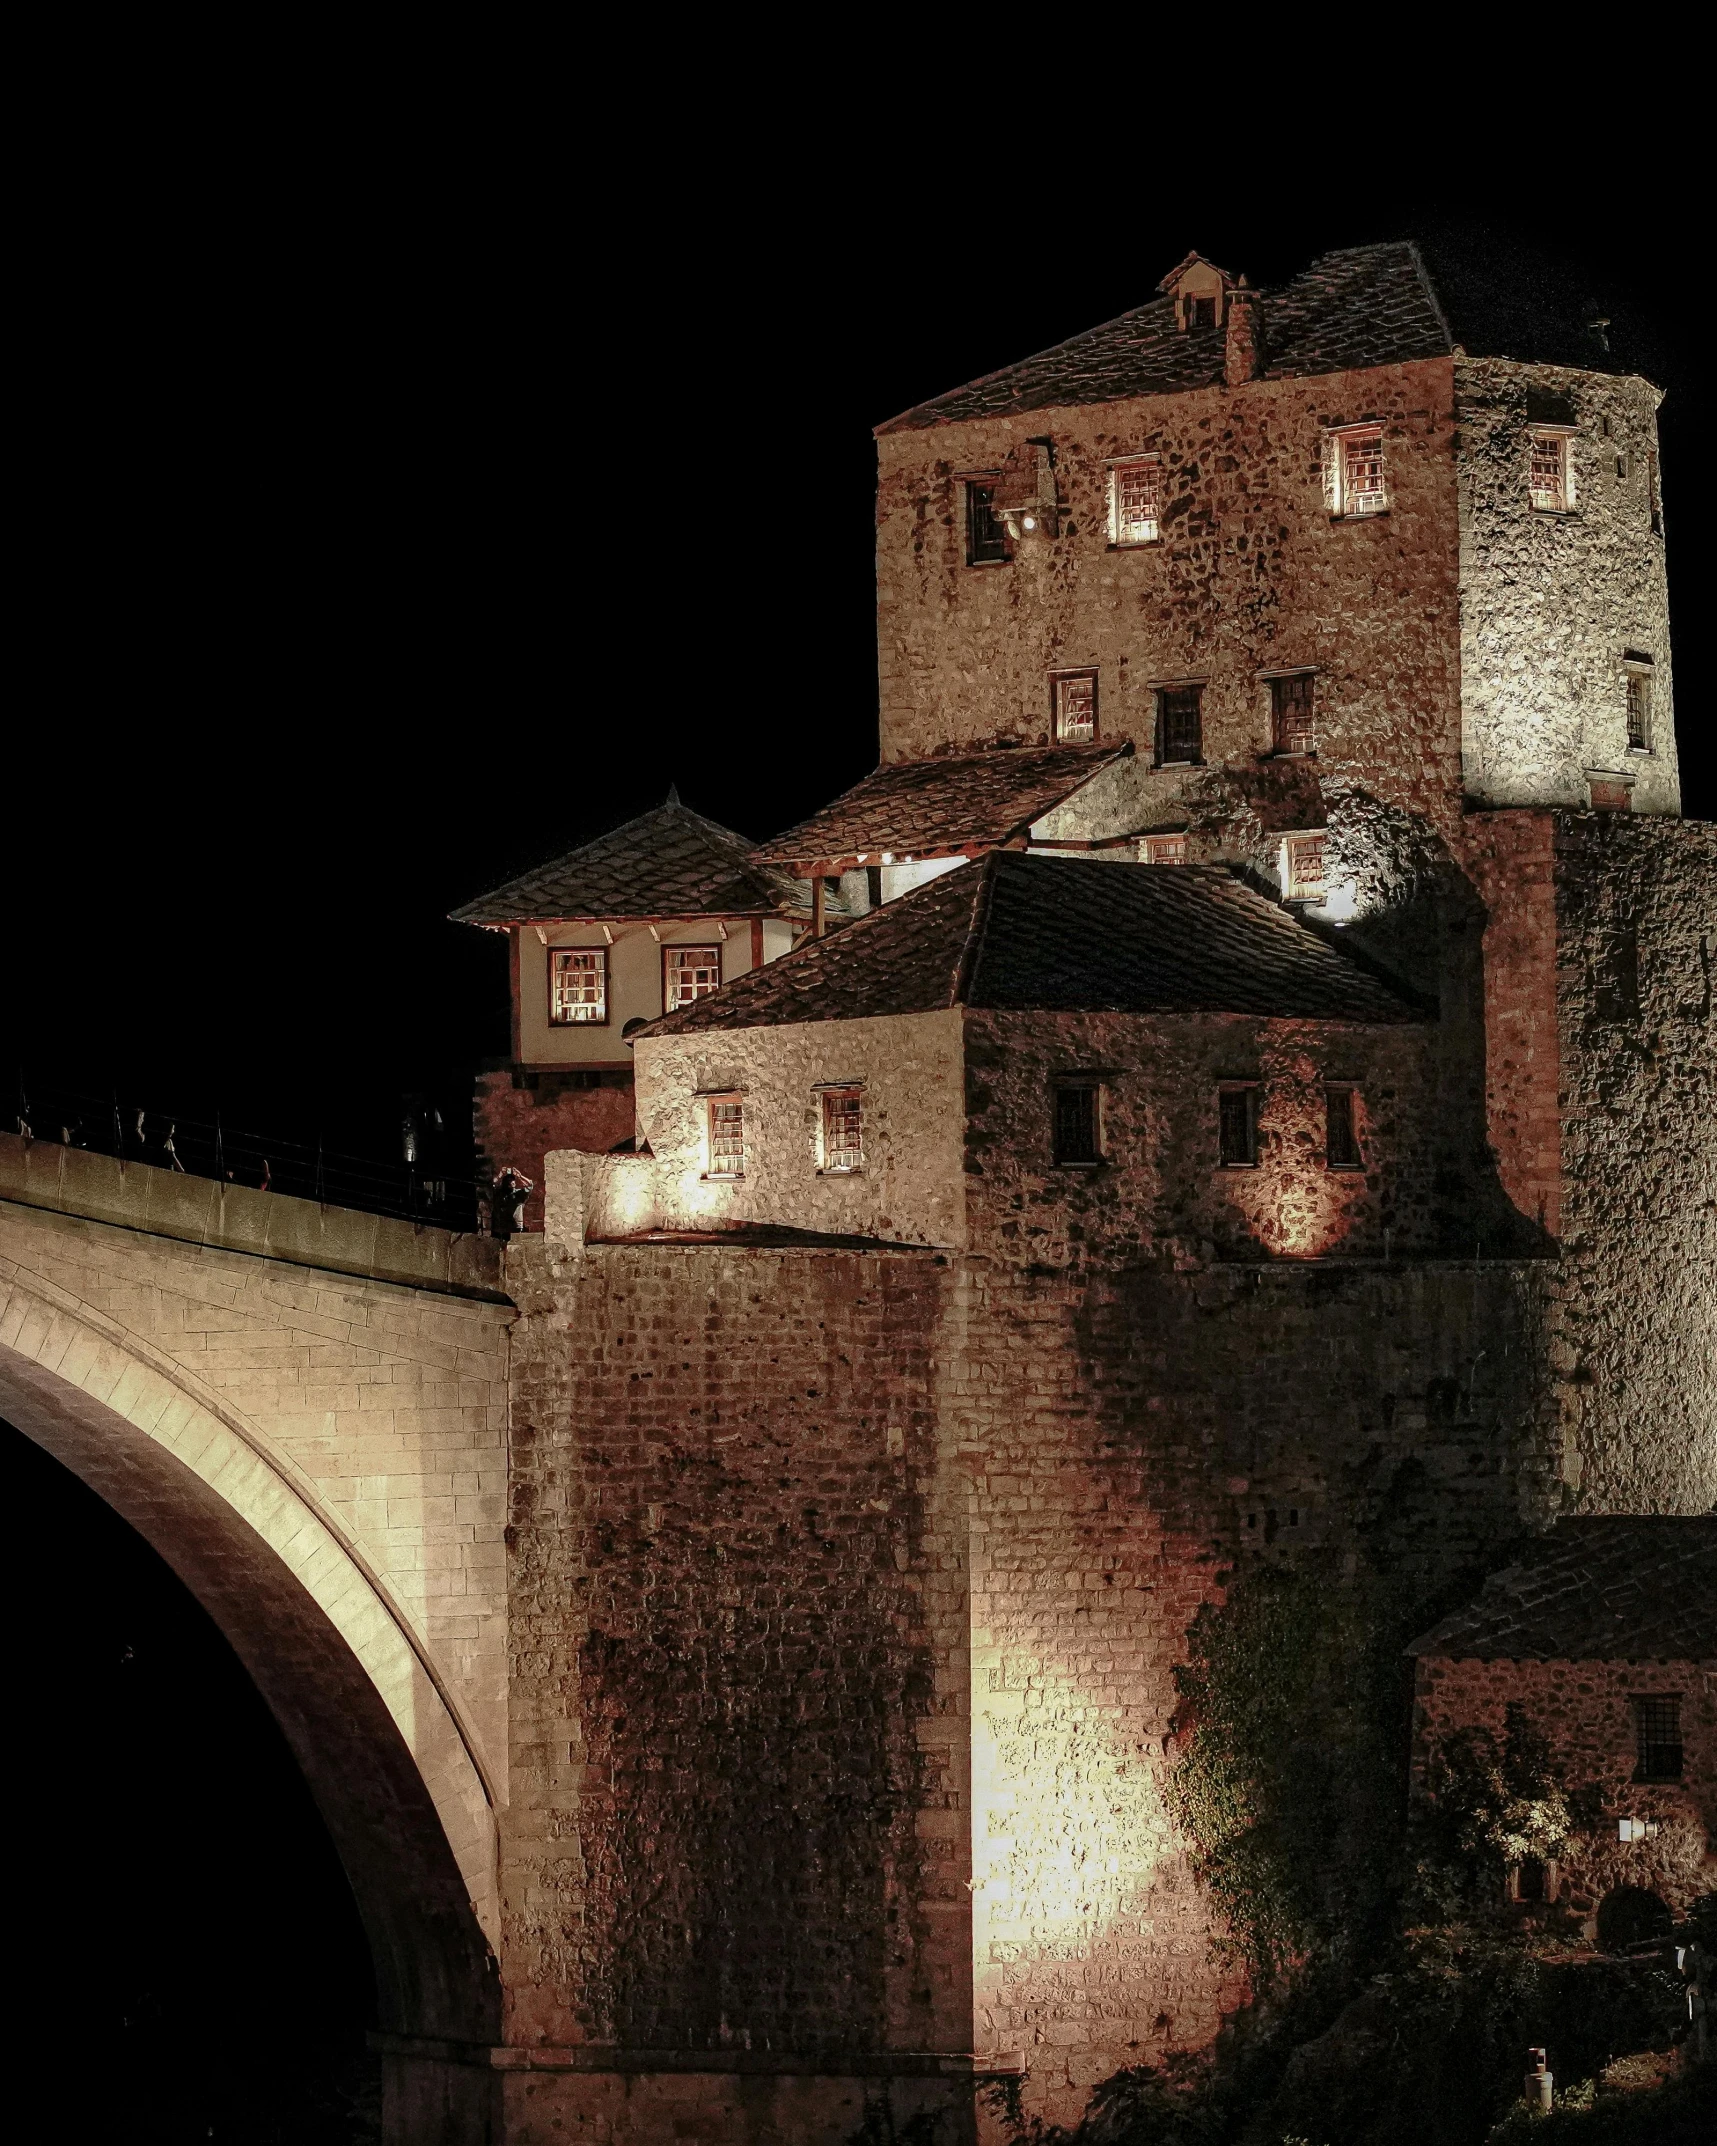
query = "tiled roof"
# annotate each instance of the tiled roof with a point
(919, 807)
(1609, 1589)
(666, 863)
(1366, 305)
(1060, 935)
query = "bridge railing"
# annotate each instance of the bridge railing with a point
(412, 1189)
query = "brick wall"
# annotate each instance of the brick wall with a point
(1585, 1709)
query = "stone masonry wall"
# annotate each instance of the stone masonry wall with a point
(520, 1119)
(1585, 1709)
(1636, 903)
(1550, 601)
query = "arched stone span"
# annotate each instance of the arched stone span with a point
(283, 1519)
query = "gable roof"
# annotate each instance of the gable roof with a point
(667, 863)
(925, 808)
(1602, 1589)
(1363, 305)
(1060, 935)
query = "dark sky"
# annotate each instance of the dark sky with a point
(394, 535)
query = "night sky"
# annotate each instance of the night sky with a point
(395, 531)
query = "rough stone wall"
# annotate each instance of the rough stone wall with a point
(1549, 602)
(1585, 1710)
(1251, 574)
(910, 1189)
(737, 1815)
(1636, 903)
(518, 1119)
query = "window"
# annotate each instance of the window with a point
(1237, 1126)
(689, 972)
(1078, 1124)
(1303, 867)
(1201, 312)
(578, 984)
(1653, 495)
(986, 539)
(1292, 729)
(1657, 1735)
(1164, 849)
(1341, 1127)
(725, 1136)
(1133, 488)
(1639, 710)
(843, 1129)
(1074, 695)
(1180, 724)
(1552, 472)
(1353, 470)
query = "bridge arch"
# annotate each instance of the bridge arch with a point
(397, 1774)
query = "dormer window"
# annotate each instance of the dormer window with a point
(1073, 696)
(1134, 489)
(1353, 470)
(1551, 476)
(1199, 290)
(578, 985)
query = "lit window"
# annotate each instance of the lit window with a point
(1075, 696)
(1292, 729)
(843, 1129)
(1303, 867)
(1341, 1127)
(1639, 710)
(986, 539)
(689, 972)
(1353, 470)
(1180, 724)
(1133, 488)
(1552, 472)
(1164, 849)
(1078, 1124)
(1237, 1126)
(1657, 1735)
(578, 983)
(726, 1136)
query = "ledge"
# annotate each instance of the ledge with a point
(237, 1218)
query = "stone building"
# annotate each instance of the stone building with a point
(1244, 1092)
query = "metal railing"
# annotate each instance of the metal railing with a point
(415, 1188)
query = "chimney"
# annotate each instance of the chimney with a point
(1244, 351)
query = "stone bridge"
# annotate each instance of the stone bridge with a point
(304, 1410)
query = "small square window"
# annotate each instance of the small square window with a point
(1164, 849)
(1074, 694)
(1353, 470)
(843, 1130)
(578, 984)
(1237, 1127)
(725, 1136)
(1180, 724)
(1292, 725)
(986, 538)
(1639, 711)
(689, 972)
(1657, 1737)
(1078, 1124)
(1341, 1127)
(1303, 867)
(1552, 472)
(1133, 501)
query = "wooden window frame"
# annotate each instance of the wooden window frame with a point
(829, 1092)
(1639, 676)
(689, 946)
(1117, 470)
(1353, 1162)
(1194, 686)
(1563, 436)
(1293, 888)
(1274, 682)
(605, 1018)
(1340, 442)
(972, 482)
(1077, 1084)
(1225, 1091)
(710, 1102)
(1150, 844)
(1058, 679)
